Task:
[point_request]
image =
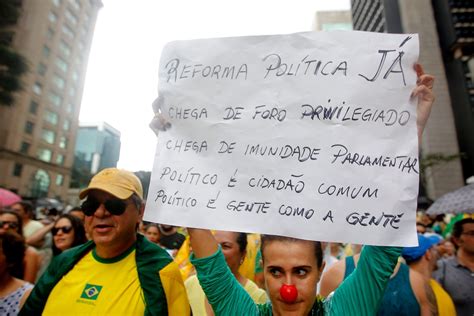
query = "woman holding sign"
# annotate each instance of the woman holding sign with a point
(292, 267)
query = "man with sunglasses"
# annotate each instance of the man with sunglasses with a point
(456, 274)
(118, 272)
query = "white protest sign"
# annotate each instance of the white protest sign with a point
(310, 135)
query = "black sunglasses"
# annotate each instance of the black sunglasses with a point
(64, 229)
(113, 206)
(10, 224)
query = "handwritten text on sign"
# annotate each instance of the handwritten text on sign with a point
(309, 135)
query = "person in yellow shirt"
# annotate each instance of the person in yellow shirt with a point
(118, 272)
(234, 247)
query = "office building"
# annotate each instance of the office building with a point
(38, 132)
(97, 148)
(444, 134)
(333, 20)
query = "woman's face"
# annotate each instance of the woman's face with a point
(292, 263)
(9, 223)
(63, 234)
(230, 248)
(152, 233)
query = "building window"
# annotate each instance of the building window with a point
(59, 180)
(84, 32)
(48, 136)
(55, 99)
(33, 107)
(41, 69)
(51, 117)
(68, 31)
(46, 51)
(49, 33)
(86, 18)
(62, 142)
(60, 159)
(37, 88)
(66, 125)
(72, 91)
(61, 64)
(60, 83)
(71, 17)
(70, 108)
(65, 48)
(74, 76)
(76, 5)
(29, 127)
(52, 17)
(40, 184)
(57, 3)
(17, 169)
(45, 154)
(25, 147)
(79, 61)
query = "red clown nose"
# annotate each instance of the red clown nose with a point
(288, 293)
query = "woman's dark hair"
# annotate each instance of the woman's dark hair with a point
(13, 247)
(318, 250)
(27, 207)
(242, 241)
(77, 228)
(19, 230)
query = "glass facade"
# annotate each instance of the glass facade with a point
(37, 88)
(45, 154)
(60, 159)
(97, 147)
(40, 184)
(17, 170)
(55, 99)
(48, 136)
(24, 147)
(29, 127)
(59, 81)
(34, 107)
(62, 64)
(51, 117)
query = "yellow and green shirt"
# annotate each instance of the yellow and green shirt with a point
(97, 286)
(142, 281)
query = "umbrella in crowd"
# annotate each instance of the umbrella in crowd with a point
(49, 203)
(8, 198)
(458, 201)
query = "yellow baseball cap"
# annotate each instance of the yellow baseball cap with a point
(118, 182)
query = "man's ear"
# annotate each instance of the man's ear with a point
(456, 241)
(428, 255)
(141, 211)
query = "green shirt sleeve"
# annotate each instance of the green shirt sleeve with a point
(362, 291)
(223, 291)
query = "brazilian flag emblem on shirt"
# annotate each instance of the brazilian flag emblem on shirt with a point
(91, 292)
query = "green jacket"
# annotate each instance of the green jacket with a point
(160, 279)
(359, 294)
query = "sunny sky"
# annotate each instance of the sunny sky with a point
(122, 74)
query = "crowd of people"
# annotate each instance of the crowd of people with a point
(430, 279)
(102, 259)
